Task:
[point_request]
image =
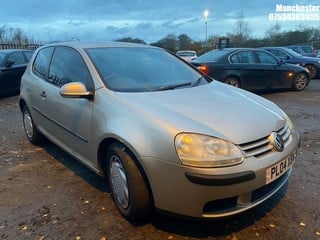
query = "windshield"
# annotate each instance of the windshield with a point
(292, 53)
(142, 69)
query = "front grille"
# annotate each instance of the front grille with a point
(262, 146)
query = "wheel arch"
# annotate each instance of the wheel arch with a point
(103, 164)
(306, 73)
(315, 66)
(233, 76)
(22, 103)
(307, 82)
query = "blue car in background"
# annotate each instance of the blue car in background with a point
(13, 63)
(290, 56)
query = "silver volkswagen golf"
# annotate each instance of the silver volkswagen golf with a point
(164, 135)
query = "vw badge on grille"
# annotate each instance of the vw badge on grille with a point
(277, 141)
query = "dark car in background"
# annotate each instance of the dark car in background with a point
(290, 56)
(304, 49)
(252, 69)
(13, 63)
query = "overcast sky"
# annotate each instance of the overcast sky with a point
(149, 20)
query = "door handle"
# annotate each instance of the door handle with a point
(43, 94)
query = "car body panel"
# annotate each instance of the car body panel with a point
(148, 122)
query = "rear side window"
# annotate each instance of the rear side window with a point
(68, 66)
(42, 61)
(243, 57)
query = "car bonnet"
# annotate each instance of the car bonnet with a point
(214, 109)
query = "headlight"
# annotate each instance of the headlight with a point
(204, 151)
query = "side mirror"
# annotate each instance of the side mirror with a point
(75, 90)
(9, 64)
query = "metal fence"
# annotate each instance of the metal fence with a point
(17, 45)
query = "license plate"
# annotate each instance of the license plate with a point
(280, 168)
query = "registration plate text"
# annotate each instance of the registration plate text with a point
(280, 168)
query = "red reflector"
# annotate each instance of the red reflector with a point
(204, 69)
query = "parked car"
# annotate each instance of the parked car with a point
(13, 63)
(166, 136)
(251, 69)
(290, 56)
(187, 55)
(303, 49)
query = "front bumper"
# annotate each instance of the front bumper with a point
(215, 192)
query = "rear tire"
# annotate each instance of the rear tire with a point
(33, 135)
(233, 82)
(300, 82)
(129, 189)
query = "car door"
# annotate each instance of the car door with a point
(274, 73)
(13, 69)
(68, 120)
(244, 62)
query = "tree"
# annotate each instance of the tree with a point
(132, 40)
(273, 34)
(184, 42)
(169, 42)
(19, 36)
(241, 33)
(13, 34)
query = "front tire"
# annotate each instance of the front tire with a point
(300, 82)
(33, 135)
(313, 71)
(129, 189)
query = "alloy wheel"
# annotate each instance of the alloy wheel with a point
(119, 181)
(28, 125)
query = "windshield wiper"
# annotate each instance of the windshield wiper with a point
(173, 86)
(196, 83)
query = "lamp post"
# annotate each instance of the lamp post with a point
(206, 14)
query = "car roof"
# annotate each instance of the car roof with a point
(182, 51)
(86, 45)
(234, 49)
(274, 47)
(301, 45)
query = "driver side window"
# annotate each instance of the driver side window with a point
(16, 58)
(68, 66)
(266, 58)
